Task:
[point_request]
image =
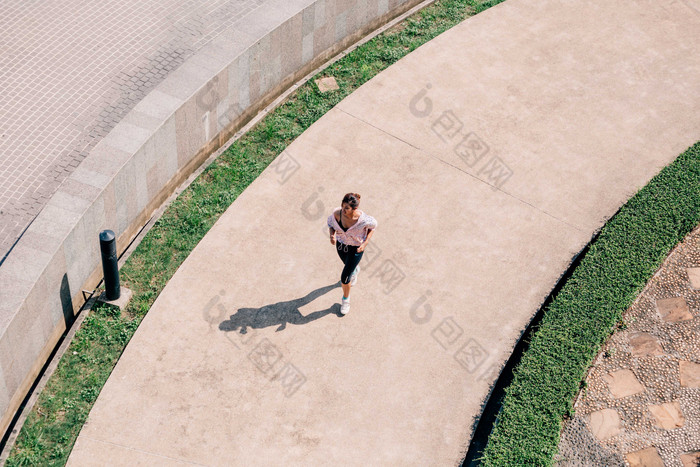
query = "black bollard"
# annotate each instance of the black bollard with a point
(110, 268)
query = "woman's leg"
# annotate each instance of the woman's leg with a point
(350, 259)
(353, 259)
(346, 289)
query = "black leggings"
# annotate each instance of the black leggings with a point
(350, 257)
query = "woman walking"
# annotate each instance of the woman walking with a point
(350, 230)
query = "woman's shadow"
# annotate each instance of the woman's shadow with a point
(279, 313)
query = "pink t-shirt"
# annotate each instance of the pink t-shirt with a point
(356, 234)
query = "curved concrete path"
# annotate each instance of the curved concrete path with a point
(489, 157)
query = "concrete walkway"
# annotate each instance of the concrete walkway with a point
(642, 399)
(489, 157)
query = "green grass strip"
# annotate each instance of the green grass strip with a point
(51, 428)
(626, 254)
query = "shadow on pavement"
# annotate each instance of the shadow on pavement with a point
(279, 313)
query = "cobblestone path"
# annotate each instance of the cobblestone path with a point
(641, 405)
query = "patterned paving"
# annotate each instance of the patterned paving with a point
(641, 405)
(70, 70)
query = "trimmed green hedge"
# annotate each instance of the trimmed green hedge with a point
(629, 249)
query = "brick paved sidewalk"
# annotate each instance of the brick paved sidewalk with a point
(641, 405)
(69, 71)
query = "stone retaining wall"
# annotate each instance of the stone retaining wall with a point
(130, 173)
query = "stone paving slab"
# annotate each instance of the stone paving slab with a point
(644, 344)
(648, 457)
(673, 309)
(690, 374)
(694, 277)
(605, 423)
(623, 383)
(668, 415)
(691, 459)
(479, 210)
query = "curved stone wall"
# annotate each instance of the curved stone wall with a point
(138, 165)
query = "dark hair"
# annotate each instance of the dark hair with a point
(353, 199)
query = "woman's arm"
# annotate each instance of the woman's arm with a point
(364, 244)
(331, 229)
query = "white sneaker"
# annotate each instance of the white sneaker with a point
(353, 276)
(345, 306)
